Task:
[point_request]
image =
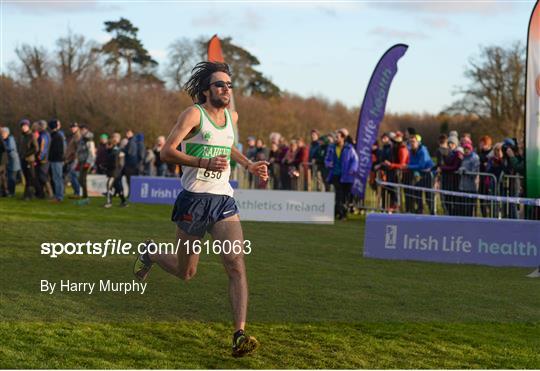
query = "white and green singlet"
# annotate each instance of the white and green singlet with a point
(210, 140)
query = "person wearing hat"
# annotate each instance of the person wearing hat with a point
(400, 154)
(393, 167)
(486, 186)
(28, 148)
(409, 133)
(56, 159)
(71, 159)
(449, 178)
(468, 181)
(515, 162)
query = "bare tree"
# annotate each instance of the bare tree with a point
(496, 90)
(75, 56)
(183, 55)
(35, 62)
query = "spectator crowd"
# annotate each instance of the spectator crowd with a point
(330, 162)
(47, 158)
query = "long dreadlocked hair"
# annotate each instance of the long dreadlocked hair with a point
(200, 79)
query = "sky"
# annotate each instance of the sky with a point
(317, 48)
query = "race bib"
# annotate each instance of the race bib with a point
(209, 175)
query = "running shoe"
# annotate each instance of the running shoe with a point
(142, 265)
(243, 344)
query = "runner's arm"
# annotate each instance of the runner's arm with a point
(187, 121)
(259, 168)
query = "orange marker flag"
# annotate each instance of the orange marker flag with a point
(215, 54)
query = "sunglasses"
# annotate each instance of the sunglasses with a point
(222, 84)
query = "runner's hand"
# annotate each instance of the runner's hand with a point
(260, 169)
(218, 163)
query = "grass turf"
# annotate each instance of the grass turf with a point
(315, 302)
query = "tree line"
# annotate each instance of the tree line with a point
(117, 85)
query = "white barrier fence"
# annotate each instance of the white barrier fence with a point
(285, 206)
(255, 205)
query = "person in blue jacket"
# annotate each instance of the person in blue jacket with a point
(419, 167)
(13, 161)
(342, 164)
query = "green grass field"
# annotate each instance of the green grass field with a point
(315, 302)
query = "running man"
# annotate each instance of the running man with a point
(205, 133)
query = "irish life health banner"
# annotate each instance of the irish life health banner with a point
(532, 109)
(452, 239)
(372, 113)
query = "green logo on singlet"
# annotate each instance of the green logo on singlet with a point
(207, 135)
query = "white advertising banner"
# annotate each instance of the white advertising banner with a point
(254, 204)
(285, 206)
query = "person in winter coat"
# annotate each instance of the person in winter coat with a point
(28, 148)
(132, 158)
(3, 168)
(449, 178)
(42, 162)
(342, 164)
(71, 161)
(113, 169)
(419, 168)
(395, 166)
(468, 182)
(56, 159)
(13, 161)
(86, 156)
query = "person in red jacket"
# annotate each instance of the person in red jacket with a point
(400, 157)
(397, 163)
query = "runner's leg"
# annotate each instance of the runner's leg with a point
(230, 229)
(184, 263)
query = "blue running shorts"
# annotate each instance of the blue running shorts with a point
(196, 213)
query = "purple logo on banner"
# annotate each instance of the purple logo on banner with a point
(450, 239)
(154, 190)
(157, 190)
(372, 113)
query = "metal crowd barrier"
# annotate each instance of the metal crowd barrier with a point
(283, 177)
(457, 196)
(511, 185)
(391, 199)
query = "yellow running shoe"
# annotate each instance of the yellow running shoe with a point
(142, 264)
(243, 344)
